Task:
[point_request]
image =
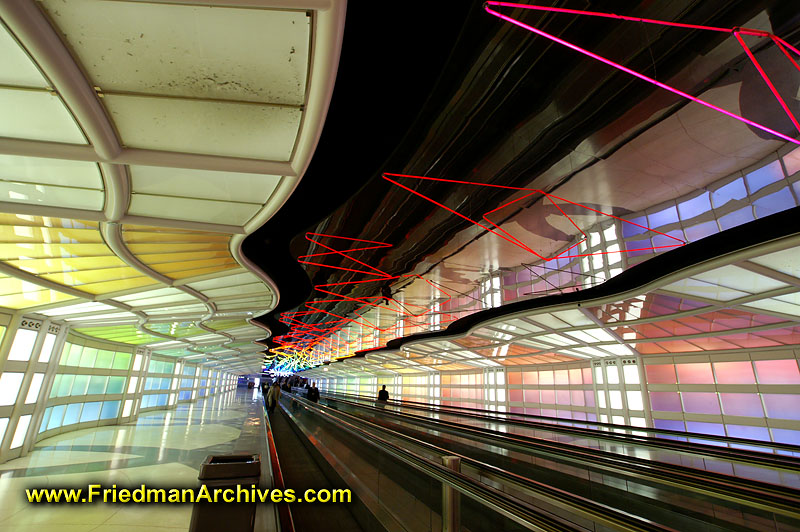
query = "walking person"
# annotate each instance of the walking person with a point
(273, 396)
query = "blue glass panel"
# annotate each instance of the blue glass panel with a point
(110, 410)
(734, 190)
(161, 399)
(661, 240)
(629, 230)
(796, 187)
(705, 428)
(742, 216)
(72, 414)
(696, 232)
(182, 396)
(777, 202)
(97, 384)
(45, 419)
(661, 218)
(668, 424)
(188, 371)
(56, 416)
(764, 176)
(786, 436)
(695, 206)
(91, 411)
(751, 433)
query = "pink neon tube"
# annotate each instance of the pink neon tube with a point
(634, 73)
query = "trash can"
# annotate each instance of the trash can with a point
(226, 472)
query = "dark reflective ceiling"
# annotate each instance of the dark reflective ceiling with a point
(452, 92)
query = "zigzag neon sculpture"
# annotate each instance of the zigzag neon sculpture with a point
(505, 235)
(736, 32)
(296, 347)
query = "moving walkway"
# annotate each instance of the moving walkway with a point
(392, 459)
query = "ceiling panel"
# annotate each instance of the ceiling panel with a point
(60, 172)
(213, 255)
(197, 210)
(128, 334)
(165, 49)
(213, 128)
(206, 184)
(37, 115)
(17, 68)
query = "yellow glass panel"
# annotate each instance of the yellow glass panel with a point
(18, 233)
(194, 264)
(33, 299)
(78, 278)
(43, 251)
(202, 271)
(159, 258)
(142, 249)
(128, 334)
(117, 286)
(44, 266)
(136, 237)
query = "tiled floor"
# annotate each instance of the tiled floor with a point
(161, 449)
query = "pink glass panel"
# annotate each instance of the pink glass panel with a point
(550, 412)
(545, 377)
(660, 374)
(741, 404)
(777, 371)
(514, 377)
(562, 397)
(587, 375)
(700, 402)
(575, 376)
(548, 397)
(517, 410)
(515, 396)
(446, 392)
(530, 377)
(782, 406)
(579, 415)
(665, 401)
(577, 397)
(534, 411)
(588, 395)
(531, 396)
(695, 373)
(734, 373)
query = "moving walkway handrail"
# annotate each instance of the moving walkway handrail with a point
(747, 456)
(576, 504)
(762, 495)
(284, 513)
(514, 509)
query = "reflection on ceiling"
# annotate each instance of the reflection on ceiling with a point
(168, 153)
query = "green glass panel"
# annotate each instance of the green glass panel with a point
(65, 354)
(110, 410)
(80, 384)
(97, 384)
(115, 384)
(122, 361)
(104, 359)
(88, 357)
(74, 355)
(65, 385)
(54, 387)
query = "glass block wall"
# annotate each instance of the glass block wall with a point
(53, 381)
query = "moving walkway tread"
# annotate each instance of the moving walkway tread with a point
(760, 458)
(761, 495)
(301, 472)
